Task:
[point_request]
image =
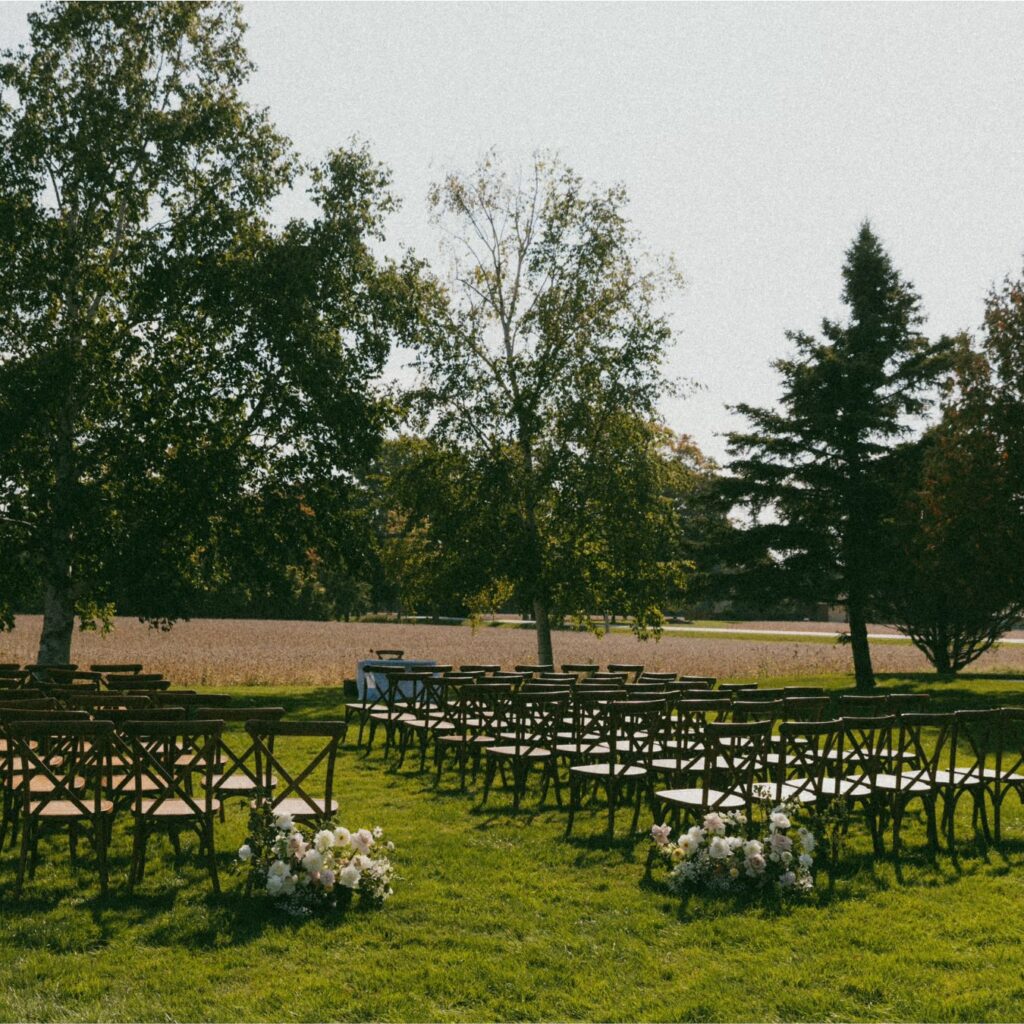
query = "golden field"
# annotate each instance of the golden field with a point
(225, 652)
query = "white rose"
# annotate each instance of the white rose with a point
(752, 847)
(660, 834)
(245, 852)
(806, 860)
(324, 840)
(327, 880)
(719, 848)
(786, 880)
(343, 836)
(779, 820)
(756, 863)
(312, 861)
(807, 841)
(278, 869)
(349, 876)
(283, 822)
(713, 823)
(780, 843)
(288, 885)
(274, 883)
(362, 840)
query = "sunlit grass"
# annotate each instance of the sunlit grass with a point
(496, 916)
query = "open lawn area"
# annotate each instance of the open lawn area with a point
(496, 916)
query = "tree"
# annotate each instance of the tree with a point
(809, 472)
(953, 578)
(178, 377)
(555, 337)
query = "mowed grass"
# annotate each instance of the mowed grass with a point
(497, 917)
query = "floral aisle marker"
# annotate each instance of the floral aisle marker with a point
(717, 856)
(305, 871)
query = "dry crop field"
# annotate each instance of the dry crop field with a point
(224, 652)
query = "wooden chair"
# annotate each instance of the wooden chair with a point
(657, 677)
(235, 771)
(1009, 770)
(479, 716)
(535, 720)
(915, 771)
(117, 668)
(808, 770)
(72, 795)
(580, 670)
(156, 748)
(683, 739)
(971, 770)
(123, 785)
(533, 670)
(731, 688)
(286, 790)
(633, 672)
(630, 733)
(432, 711)
(485, 669)
(396, 704)
(136, 683)
(734, 760)
(868, 753)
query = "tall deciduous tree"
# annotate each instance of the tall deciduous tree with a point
(177, 377)
(556, 335)
(809, 471)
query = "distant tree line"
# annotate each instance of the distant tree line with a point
(193, 419)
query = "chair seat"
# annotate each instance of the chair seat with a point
(16, 765)
(41, 784)
(520, 750)
(238, 783)
(127, 784)
(299, 808)
(579, 749)
(459, 737)
(678, 764)
(625, 771)
(67, 810)
(894, 784)
(393, 716)
(853, 788)
(696, 797)
(173, 808)
(430, 723)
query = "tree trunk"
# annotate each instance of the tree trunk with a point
(545, 655)
(59, 599)
(865, 676)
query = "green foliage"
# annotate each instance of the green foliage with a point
(551, 360)
(186, 390)
(808, 473)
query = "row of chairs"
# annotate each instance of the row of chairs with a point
(121, 676)
(171, 768)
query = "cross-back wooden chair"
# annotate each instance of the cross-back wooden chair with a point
(485, 669)
(478, 716)
(972, 770)
(20, 693)
(682, 742)
(860, 705)
(174, 806)
(395, 703)
(535, 720)
(914, 774)
(694, 686)
(431, 713)
(98, 702)
(1009, 770)
(583, 733)
(73, 796)
(805, 707)
(809, 766)
(235, 773)
(16, 774)
(734, 760)
(804, 691)
(120, 668)
(657, 677)
(732, 688)
(136, 683)
(533, 670)
(580, 670)
(123, 785)
(631, 732)
(286, 789)
(867, 753)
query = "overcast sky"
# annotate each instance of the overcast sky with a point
(752, 139)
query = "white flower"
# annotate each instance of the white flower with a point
(713, 823)
(807, 841)
(343, 836)
(719, 848)
(283, 823)
(327, 879)
(756, 863)
(735, 842)
(780, 843)
(660, 834)
(806, 860)
(349, 876)
(324, 840)
(779, 820)
(786, 880)
(361, 862)
(278, 869)
(752, 847)
(312, 861)
(288, 885)
(689, 843)
(274, 883)
(734, 872)
(362, 840)
(245, 852)
(377, 832)
(296, 845)
(389, 846)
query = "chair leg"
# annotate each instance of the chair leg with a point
(100, 825)
(574, 787)
(211, 855)
(492, 763)
(612, 790)
(26, 840)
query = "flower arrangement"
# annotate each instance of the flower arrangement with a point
(307, 871)
(717, 856)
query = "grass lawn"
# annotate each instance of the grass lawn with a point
(497, 917)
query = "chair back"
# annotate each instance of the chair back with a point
(634, 729)
(921, 755)
(535, 719)
(481, 709)
(867, 748)
(159, 771)
(734, 755)
(799, 708)
(809, 753)
(292, 784)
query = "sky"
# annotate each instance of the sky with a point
(752, 139)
